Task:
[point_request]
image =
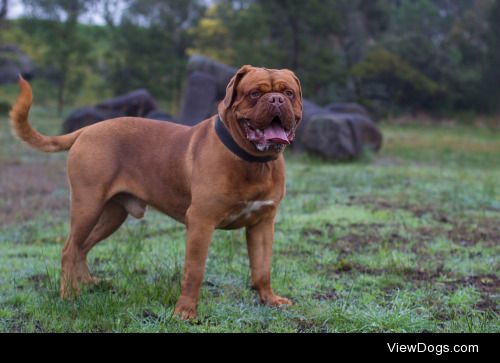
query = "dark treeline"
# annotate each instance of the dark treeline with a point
(434, 56)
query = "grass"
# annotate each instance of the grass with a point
(404, 241)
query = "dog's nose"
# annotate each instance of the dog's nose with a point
(276, 100)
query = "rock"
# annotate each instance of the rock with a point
(138, 103)
(200, 98)
(205, 88)
(13, 62)
(82, 117)
(220, 72)
(340, 136)
(309, 109)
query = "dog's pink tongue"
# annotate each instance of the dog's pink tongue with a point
(276, 133)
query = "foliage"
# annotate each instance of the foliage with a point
(444, 53)
(65, 49)
(149, 47)
(403, 84)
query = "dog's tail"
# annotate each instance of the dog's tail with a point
(23, 130)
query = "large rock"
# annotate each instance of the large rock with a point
(13, 62)
(340, 136)
(137, 103)
(82, 117)
(200, 98)
(220, 72)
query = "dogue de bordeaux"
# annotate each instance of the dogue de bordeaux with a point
(226, 172)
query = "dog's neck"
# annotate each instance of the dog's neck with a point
(228, 141)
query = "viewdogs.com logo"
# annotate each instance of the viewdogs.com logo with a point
(437, 349)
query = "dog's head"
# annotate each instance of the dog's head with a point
(262, 109)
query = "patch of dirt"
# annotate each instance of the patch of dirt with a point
(463, 232)
(215, 289)
(39, 280)
(27, 190)
(415, 274)
(486, 230)
(306, 326)
(363, 234)
(375, 204)
(18, 324)
(148, 315)
(488, 283)
(325, 295)
(488, 286)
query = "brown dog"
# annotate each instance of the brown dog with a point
(226, 172)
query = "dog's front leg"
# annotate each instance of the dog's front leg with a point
(260, 248)
(198, 237)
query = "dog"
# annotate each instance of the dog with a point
(226, 172)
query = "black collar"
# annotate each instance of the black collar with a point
(228, 141)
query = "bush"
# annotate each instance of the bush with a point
(4, 107)
(382, 74)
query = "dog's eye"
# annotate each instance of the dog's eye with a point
(289, 93)
(255, 94)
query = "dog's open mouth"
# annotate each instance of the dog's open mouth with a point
(273, 136)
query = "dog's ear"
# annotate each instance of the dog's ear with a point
(232, 86)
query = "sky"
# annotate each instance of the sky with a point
(16, 10)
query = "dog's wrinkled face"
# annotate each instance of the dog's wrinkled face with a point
(263, 108)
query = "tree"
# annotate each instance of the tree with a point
(4, 6)
(294, 34)
(492, 67)
(149, 46)
(402, 83)
(55, 22)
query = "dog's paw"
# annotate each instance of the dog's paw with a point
(185, 312)
(276, 301)
(185, 309)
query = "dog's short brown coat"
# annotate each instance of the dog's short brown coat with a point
(120, 166)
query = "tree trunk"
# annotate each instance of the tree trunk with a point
(295, 42)
(60, 96)
(4, 6)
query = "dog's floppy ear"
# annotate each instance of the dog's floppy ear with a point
(233, 84)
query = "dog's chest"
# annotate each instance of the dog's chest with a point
(246, 212)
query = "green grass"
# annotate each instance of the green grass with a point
(404, 241)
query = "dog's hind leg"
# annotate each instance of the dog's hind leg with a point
(85, 214)
(112, 217)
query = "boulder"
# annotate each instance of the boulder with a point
(82, 117)
(340, 136)
(220, 72)
(138, 103)
(200, 98)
